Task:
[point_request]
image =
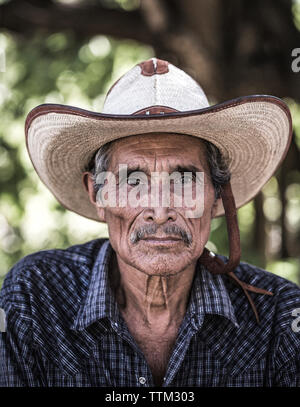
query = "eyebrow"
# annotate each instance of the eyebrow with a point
(134, 168)
(177, 168)
(187, 168)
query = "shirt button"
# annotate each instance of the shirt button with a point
(142, 380)
(116, 324)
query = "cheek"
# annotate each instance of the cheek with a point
(205, 220)
(119, 221)
(201, 225)
(201, 232)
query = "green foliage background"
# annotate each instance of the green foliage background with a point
(58, 69)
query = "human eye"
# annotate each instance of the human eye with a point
(136, 178)
(133, 181)
(185, 178)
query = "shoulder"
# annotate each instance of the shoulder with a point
(265, 279)
(286, 294)
(279, 286)
(279, 313)
(48, 272)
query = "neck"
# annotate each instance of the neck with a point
(152, 299)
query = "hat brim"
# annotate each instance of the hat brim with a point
(253, 132)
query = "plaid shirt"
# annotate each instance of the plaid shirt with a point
(64, 327)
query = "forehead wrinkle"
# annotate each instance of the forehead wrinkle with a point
(170, 153)
(135, 162)
(139, 152)
(157, 162)
(166, 140)
(164, 149)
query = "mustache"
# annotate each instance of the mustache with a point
(146, 230)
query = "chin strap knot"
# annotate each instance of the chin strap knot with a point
(216, 266)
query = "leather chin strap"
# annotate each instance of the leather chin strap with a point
(216, 265)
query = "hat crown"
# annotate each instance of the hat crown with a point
(154, 83)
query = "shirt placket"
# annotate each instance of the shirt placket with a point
(187, 330)
(143, 375)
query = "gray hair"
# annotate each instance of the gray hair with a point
(100, 163)
(218, 165)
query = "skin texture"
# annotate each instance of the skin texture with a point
(152, 278)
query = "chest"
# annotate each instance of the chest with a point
(198, 361)
(157, 352)
(156, 342)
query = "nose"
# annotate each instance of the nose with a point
(160, 215)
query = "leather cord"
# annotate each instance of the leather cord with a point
(216, 266)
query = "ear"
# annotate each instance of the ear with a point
(214, 208)
(88, 184)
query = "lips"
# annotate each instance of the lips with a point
(162, 241)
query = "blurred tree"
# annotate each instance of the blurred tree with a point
(232, 48)
(70, 51)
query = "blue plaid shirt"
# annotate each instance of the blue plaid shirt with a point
(64, 327)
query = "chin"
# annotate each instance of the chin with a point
(159, 264)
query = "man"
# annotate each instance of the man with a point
(151, 305)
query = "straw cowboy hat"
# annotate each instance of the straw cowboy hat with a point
(253, 132)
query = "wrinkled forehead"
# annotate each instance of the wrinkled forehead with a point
(170, 148)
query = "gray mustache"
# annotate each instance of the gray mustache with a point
(172, 230)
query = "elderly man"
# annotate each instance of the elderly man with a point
(151, 305)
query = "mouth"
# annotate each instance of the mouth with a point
(162, 241)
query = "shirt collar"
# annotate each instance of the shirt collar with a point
(99, 301)
(208, 296)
